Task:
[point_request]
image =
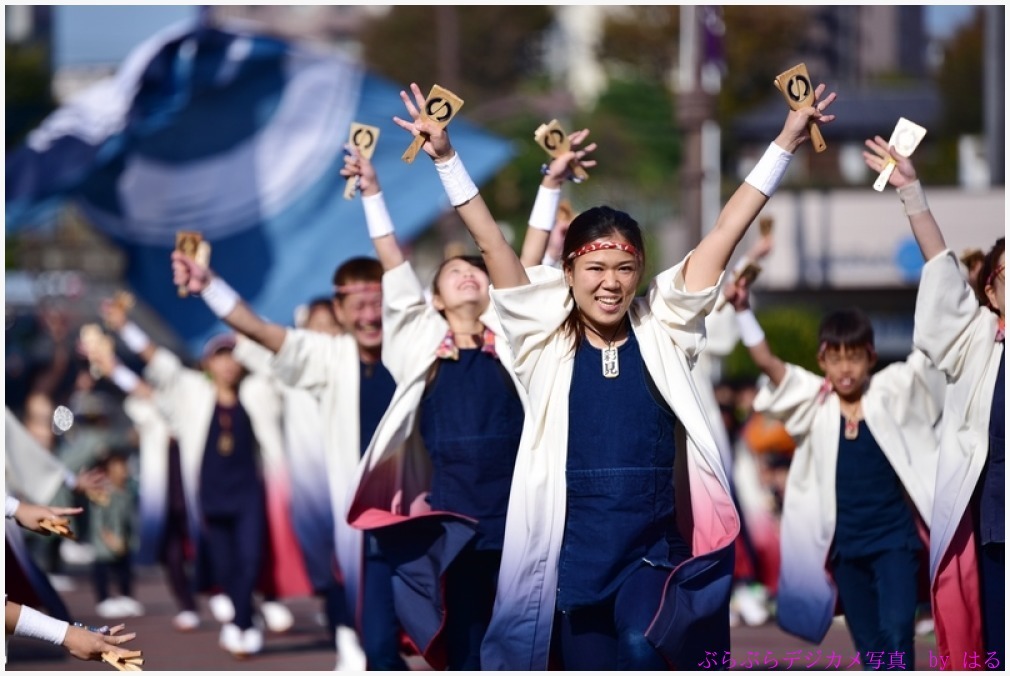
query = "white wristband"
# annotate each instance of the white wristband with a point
(545, 209)
(134, 337)
(914, 198)
(377, 216)
(12, 506)
(459, 187)
(548, 260)
(768, 172)
(220, 298)
(751, 333)
(124, 378)
(69, 479)
(33, 624)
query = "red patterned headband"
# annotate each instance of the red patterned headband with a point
(358, 287)
(600, 246)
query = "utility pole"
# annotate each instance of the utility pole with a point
(694, 109)
(995, 92)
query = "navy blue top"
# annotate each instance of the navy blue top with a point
(376, 391)
(993, 490)
(619, 475)
(471, 421)
(229, 480)
(872, 513)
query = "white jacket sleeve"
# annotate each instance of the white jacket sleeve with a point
(949, 322)
(682, 312)
(252, 356)
(306, 359)
(917, 384)
(531, 314)
(794, 402)
(164, 372)
(409, 322)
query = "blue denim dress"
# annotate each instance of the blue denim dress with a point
(620, 495)
(471, 421)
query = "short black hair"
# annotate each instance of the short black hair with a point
(846, 328)
(358, 269)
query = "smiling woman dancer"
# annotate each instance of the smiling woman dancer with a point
(609, 379)
(451, 433)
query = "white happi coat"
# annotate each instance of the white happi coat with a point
(901, 407)
(669, 326)
(959, 336)
(395, 474)
(413, 330)
(722, 335)
(31, 472)
(329, 367)
(155, 437)
(187, 398)
(304, 475)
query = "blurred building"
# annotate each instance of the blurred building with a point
(859, 43)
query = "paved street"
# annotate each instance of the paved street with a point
(305, 646)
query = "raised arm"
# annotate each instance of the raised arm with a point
(122, 377)
(543, 217)
(713, 252)
(115, 317)
(504, 267)
(924, 226)
(380, 225)
(224, 302)
(751, 334)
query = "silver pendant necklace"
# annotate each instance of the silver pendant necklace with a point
(611, 362)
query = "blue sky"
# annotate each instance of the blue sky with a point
(85, 34)
(106, 33)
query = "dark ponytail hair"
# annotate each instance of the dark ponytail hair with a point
(592, 224)
(989, 265)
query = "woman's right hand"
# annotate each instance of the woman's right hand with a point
(89, 645)
(796, 129)
(436, 144)
(188, 273)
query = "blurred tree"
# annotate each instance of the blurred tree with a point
(641, 41)
(759, 43)
(791, 332)
(29, 100)
(633, 120)
(500, 80)
(501, 45)
(959, 79)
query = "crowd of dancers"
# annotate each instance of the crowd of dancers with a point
(527, 465)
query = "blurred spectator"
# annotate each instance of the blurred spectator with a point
(114, 538)
(763, 450)
(52, 364)
(44, 550)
